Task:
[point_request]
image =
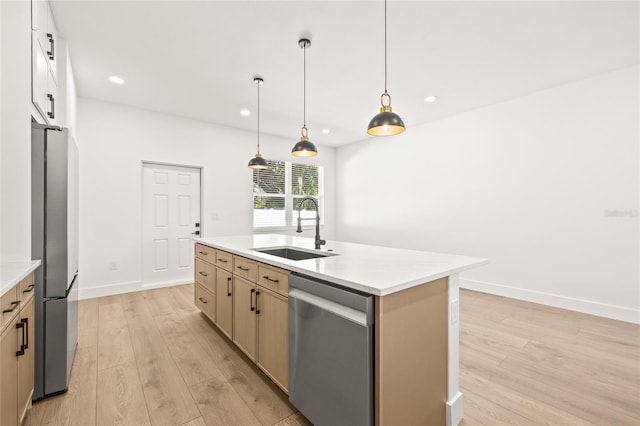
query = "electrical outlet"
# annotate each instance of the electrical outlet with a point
(113, 265)
(455, 311)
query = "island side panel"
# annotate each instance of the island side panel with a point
(411, 355)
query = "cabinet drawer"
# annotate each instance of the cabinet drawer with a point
(8, 303)
(245, 268)
(274, 279)
(205, 253)
(205, 301)
(224, 260)
(26, 288)
(205, 275)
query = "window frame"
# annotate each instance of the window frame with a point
(290, 215)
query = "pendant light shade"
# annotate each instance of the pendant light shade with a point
(304, 147)
(258, 162)
(386, 122)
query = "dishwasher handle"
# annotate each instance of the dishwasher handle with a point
(342, 311)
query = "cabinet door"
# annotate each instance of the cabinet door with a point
(224, 302)
(26, 361)
(205, 275)
(44, 88)
(9, 374)
(244, 318)
(273, 336)
(205, 301)
(51, 42)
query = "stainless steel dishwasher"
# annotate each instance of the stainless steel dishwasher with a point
(330, 352)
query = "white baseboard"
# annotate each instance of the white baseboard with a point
(586, 306)
(455, 410)
(126, 287)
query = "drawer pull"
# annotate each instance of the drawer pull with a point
(242, 268)
(223, 260)
(204, 274)
(266, 277)
(203, 300)
(20, 352)
(13, 307)
(204, 253)
(29, 289)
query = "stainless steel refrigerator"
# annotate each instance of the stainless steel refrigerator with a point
(54, 240)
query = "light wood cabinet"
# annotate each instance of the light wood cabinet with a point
(224, 302)
(205, 301)
(205, 253)
(244, 318)
(273, 336)
(17, 354)
(251, 307)
(205, 275)
(26, 361)
(9, 374)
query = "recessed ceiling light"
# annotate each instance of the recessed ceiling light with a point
(245, 112)
(431, 98)
(116, 80)
(326, 131)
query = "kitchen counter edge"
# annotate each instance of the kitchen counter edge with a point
(11, 273)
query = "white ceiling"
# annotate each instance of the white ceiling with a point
(197, 59)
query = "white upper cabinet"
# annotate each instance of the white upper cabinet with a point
(44, 60)
(43, 24)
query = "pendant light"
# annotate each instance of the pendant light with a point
(258, 162)
(304, 148)
(386, 123)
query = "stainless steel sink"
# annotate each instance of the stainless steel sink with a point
(293, 253)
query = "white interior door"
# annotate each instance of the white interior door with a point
(170, 211)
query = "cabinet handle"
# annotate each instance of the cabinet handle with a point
(242, 268)
(266, 277)
(204, 274)
(13, 307)
(257, 310)
(52, 113)
(204, 253)
(51, 53)
(229, 286)
(253, 290)
(21, 350)
(28, 289)
(25, 341)
(223, 260)
(203, 300)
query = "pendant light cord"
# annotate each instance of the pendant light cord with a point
(258, 84)
(385, 46)
(304, 86)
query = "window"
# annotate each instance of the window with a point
(278, 190)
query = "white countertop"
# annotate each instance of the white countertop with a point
(11, 273)
(373, 269)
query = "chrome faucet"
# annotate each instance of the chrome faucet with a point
(319, 242)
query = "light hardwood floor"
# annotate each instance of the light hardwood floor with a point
(150, 358)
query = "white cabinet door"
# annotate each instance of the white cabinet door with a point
(44, 88)
(43, 24)
(52, 42)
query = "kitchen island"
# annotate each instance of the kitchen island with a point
(416, 313)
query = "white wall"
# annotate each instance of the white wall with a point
(15, 133)
(530, 184)
(114, 140)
